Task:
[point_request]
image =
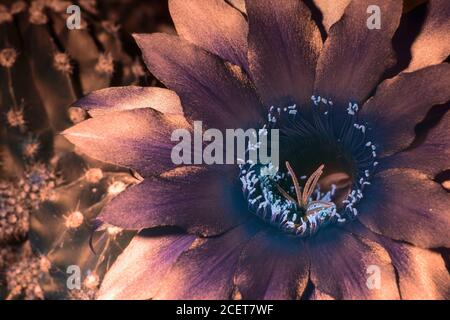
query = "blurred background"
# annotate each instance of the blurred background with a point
(49, 193)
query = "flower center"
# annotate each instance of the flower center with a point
(328, 161)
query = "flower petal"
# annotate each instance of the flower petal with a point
(272, 267)
(138, 271)
(284, 44)
(213, 25)
(432, 156)
(354, 57)
(139, 139)
(405, 205)
(206, 271)
(340, 266)
(209, 90)
(332, 11)
(414, 14)
(319, 295)
(402, 102)
(200, 200)
(421, 273)
(432, 46)
(238, 4)
(107, 100)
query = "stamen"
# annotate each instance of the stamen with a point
(298, 191)
(311, 184)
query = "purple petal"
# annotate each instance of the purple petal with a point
(402, 102)
(284, 45)
(432, 46)
(206, 271)
(213, 25)
(332, 11)
(273, 267)
(209, 90)
(200, 200)
(432, 156)
(422, 274)
(340, 262)
(354, 57)
(103, 101)
(138, 138)
(406, 205)
(139, 270)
